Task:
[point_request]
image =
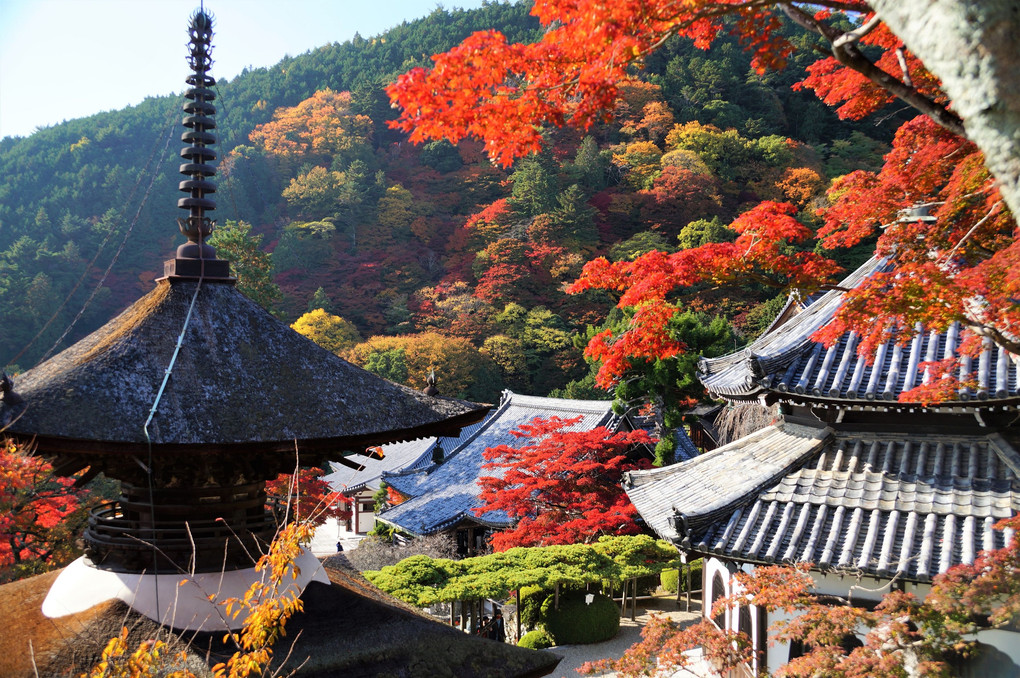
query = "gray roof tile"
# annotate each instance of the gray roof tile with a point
(880, 517)
(785, 360)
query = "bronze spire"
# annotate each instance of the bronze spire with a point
(196, 258)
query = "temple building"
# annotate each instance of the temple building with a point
(442, 496)
(359, 476)
(193, 398)
(874, 491)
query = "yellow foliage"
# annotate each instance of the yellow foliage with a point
(145, 661)
(329, 331)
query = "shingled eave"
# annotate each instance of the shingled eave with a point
(679, 499)
(908, 506)
(740, 374)
(241, 378)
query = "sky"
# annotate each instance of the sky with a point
(65, 59)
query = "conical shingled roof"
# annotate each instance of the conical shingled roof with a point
(241, 378)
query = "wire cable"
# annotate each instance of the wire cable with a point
(169, 135)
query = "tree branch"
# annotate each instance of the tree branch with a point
(846, 52)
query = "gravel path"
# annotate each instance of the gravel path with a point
(573, 656)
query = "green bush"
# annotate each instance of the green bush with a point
(536, 640)
(531, 605)
(576, 622)
(670, 579)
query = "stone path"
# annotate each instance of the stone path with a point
(328, 534)
(573, 656)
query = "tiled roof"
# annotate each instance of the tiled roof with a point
(407, 456)
(443, 495)
(879, 504)
(785, 360)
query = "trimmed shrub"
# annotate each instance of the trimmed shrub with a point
(531, 605)
(536, 640)
(670, 579)
(576, 622)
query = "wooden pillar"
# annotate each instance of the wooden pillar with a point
(518, 595)
(633, 602)
(687, 575)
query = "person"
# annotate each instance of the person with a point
(483, 628)
(498, 632)
(339, 547)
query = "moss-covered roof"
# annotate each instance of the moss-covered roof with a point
(241, 378)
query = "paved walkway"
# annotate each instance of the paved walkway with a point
(630, 632)
(328, 534)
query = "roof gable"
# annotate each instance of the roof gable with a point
(444, 494)
(786, 361)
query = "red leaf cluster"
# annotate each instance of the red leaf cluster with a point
(563, 487)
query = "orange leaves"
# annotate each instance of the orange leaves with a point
(268, 605)
(147, 660)
(316, 129)
(502, 93)
(959, 264)
(761, 253)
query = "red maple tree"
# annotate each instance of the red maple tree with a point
(305, 496)
(563, 487)
(960, 267)
(34, 509)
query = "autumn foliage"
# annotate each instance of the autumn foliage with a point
(35, 507)
(563, 487)
(304, 496)
(960, 266)
(899, 632)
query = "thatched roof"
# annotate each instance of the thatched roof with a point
(348, 628)
(242, 378)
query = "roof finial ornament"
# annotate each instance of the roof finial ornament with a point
(431, 381)
(197, 259)
(198, 154)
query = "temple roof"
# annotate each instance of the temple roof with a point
(404, 456)
(911, 504)
(443, 495)
(786, 362)
(241, 378)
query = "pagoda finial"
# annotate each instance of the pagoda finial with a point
(199, 121)
(198, 156)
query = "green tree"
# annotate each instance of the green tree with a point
(320, 300)
(704, 231)
(388, 364)
(534, 188)
(252, 267)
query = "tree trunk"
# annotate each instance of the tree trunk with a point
(973, 48)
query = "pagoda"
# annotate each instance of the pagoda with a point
(193, 398)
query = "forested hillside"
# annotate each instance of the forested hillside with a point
(432, 256)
